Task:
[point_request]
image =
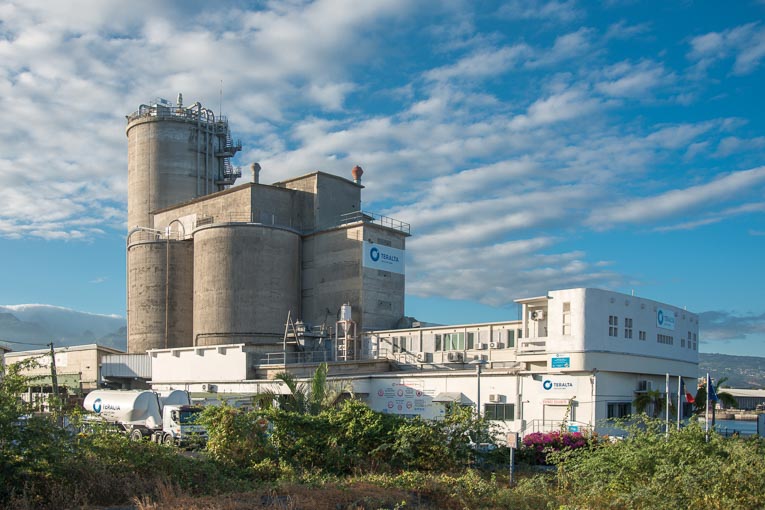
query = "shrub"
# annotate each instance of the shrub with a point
(538, 445)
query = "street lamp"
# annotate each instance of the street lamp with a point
(478, 364)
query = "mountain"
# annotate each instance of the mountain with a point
(741, 371)
(27, 327)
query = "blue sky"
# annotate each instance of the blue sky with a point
(532, 145)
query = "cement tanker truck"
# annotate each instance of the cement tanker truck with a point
(169, 419)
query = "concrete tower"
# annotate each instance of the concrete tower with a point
(175, 154)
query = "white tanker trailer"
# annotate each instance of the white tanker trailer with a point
(168, 419)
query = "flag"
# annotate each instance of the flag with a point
(711, 390)
(688, 397)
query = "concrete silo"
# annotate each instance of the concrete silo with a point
(175, 154)
(160, 292)
(246, 280)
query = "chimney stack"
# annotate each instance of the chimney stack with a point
(255, 169)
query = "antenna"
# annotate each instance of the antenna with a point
(220, 100)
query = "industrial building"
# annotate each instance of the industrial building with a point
(211, 264)
(229, 285)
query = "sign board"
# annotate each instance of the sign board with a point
(512, 440)
(561, 362)
(573, 428)
(384, 258)
(555, 401)
(665, 319)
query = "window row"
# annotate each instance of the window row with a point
(502, 412)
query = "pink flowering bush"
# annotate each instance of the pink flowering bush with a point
(537, 445)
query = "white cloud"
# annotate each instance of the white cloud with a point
(745, 43)
(552, 10)
(633, 80)
(481, 64)
(677, 201)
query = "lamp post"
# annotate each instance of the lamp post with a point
(478, 364)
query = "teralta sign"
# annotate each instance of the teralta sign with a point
(385, 258)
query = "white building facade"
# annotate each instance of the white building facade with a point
(575, 358)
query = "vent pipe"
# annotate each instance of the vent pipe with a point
(255, 169)
(357, 172)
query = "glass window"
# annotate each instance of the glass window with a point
(438, 343)
(566, 318)
(613, 325)
(501, 412)
(619, 409)
(454, 341)
(471, 340)
(510, 338)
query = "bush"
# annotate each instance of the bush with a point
(536, 447)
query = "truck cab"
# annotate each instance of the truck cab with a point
(179, 424)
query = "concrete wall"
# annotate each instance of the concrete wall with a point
(383, 291)
(331, 274)
(245, 282)
(208, 364)
(163, 165)
(160, 295)
(229, 205)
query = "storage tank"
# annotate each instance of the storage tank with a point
(126, 407)
(246, 279)
(160, 293)
(175, 154)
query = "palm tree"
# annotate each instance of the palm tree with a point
(644, 400)
(723, 397)
(310, 398)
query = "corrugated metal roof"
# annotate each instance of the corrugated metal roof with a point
(126, 366)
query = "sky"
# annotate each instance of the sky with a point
(532, 145)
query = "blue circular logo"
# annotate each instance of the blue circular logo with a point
(661, 317)
(374, 253)
(547, 384)
(97, 405)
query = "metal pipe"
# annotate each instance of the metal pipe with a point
(199, 137)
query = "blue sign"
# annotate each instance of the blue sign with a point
(97, 405)
(547, 384)
(573, 428)
(561, 362)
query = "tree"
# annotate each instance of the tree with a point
(310, 398)
(724, 397)
(653, 399)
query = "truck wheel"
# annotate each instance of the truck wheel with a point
(168, 439)
(135, 435)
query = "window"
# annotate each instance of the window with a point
(665, 339)
(394, 341)
(566, 318)
(682, 342)
(518, 334)
(438, 343)
(641, 335)
(454, 341)
(501, 412)
(613, 325)
(471, 340)
(510, 338)
(619, 409)
(627, 327)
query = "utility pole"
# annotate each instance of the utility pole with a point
(53, 376)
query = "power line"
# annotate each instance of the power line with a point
(21, 343)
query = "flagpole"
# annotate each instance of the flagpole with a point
(706, 411)
(666, 400)
(679, 397)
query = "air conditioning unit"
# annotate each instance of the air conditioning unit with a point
(537, 315)
(645, 385)
(495, 398)
(493, 345)
(204, 387)
(420, 356)
(454, 356)
(500, 345)
(481, 347)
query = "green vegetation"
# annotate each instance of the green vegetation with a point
(330, 454)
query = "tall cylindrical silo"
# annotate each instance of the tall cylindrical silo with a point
(175, 154)
(160, 294)
(246, 280)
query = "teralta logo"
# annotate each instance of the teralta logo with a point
(550, 385)
(97, 405)
(375, 254)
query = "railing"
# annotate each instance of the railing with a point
(532, 345)
(145, 234)
(553, 425)
(289, 358)
(374, 218)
